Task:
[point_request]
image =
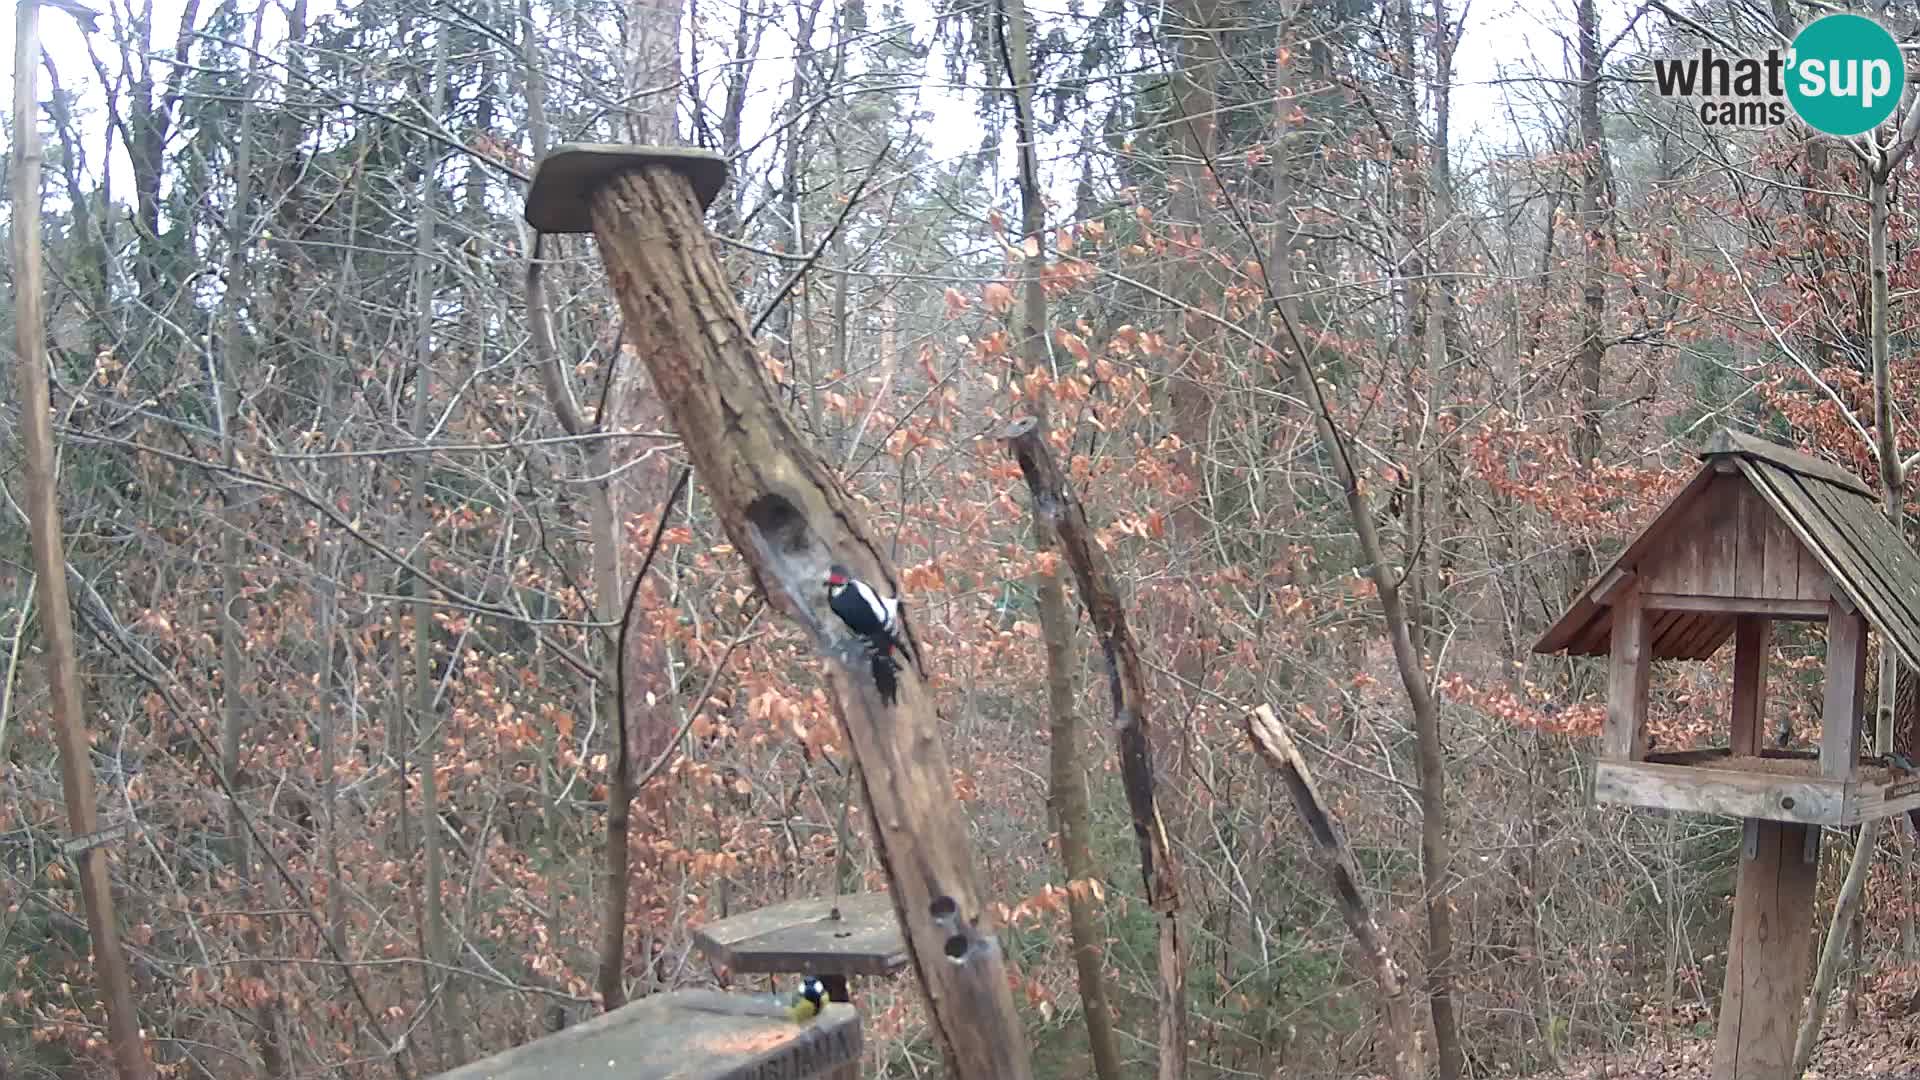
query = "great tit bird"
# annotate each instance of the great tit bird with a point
(809, 1001)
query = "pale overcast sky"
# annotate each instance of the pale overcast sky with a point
(1510, 37)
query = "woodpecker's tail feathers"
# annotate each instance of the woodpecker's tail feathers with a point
(886, 672)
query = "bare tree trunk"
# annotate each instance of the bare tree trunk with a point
(49, 555)
(426, 733)
(1593, 283)
(783, 511)
(1404, 1058)
(1893, 486)
(224, 363)
(1067, 782)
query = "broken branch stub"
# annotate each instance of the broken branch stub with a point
(788, 515)
(1404, 1057)
(1054, 500)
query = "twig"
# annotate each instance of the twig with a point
(800, 271)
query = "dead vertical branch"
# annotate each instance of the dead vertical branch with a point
(1405, 1058)
(1055, 503)
(49, 553)
(790, 519)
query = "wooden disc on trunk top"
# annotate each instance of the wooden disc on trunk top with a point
(857, 934)
(560, 199)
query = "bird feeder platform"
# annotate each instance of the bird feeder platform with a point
(831, 937)
(1778, 785)
(1762, 533)
(684, 1035)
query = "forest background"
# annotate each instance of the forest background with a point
(348, 537)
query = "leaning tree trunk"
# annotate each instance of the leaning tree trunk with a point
(50, 560)
(1398, 1030)
(1055, 503)
(790, 518)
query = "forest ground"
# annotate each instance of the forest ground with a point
(1884, 1045)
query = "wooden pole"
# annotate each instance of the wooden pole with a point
(789, 517)
(50, 559)
(1768, 954)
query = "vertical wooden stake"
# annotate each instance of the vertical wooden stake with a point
(1751, 635)
(1767, 956)
(1628, 663)
(1846, 678)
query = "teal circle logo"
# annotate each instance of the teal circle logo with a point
(1846, 74)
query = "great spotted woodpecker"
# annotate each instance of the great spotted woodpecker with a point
(875, 618)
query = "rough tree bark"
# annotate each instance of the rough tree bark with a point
(1405, 1059)
(50, 558)
(1055, 503)
(790, 518)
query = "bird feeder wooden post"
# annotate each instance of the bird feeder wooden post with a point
(788, 516)
(685, 1035)
(834, 938)
(1762, 533)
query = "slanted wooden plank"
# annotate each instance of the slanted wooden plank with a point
(684, 1035)
(1735, 442)
(1610, 584)
(1846, 679)
(1767, 957)
(1628, 667)
(1879, 568)
(1724, 791)
(1751, 636)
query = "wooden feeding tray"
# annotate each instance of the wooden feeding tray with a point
(684, 1035)
(1775, 786)
(829, 937)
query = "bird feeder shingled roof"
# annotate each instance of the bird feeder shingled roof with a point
(1832, 518)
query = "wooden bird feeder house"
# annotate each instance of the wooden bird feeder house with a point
(1761, 533)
